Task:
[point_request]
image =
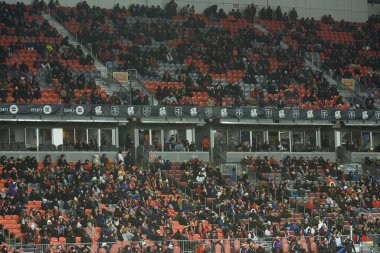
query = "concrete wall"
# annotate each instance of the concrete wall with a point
(349, 10)
(236, 157)
(179, 156)
(70, 156)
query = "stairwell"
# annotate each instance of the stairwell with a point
(345, 92)
(100, 67)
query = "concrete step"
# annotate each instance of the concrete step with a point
(72, 40)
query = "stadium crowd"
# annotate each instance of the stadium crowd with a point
(35, 58)
(105, 201)
(235, 59)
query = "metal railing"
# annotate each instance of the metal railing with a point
(184, 246)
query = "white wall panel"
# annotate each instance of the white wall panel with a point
(359, 5)
(316, 13)
(302, 3)
(344, 5)
(358, 9)
(304, 12)
(317, 4)
(260, 2)
(331, 4)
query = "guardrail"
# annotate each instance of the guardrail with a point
(177, 246)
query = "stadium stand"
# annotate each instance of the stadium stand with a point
(39, 66)
(294, 204)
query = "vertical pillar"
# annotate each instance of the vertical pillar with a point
(370, 141)
(75, 137)
(337, 138)
(212, 141)
(99, 140)
(150, 137)
(87, 135)
(115, 136)
(162, 140)
(291, 141)
(136, 137)
(250, 139)
(318, 137)
(38, 139)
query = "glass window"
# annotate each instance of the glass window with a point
(144, 138)
(346, 138)
(156, 140)
(310, 142)
(283, 145)
(106, 137)
(93, 139)
(298, 140)
(4, 135)
(81, 139)
(376, 141)
(257, 140)
(45, 136)
(68, 136)
(220, 138)
(176, 140)
(233, 140)
(366, 141)
(273, 139)
(31, 138)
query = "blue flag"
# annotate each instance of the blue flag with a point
(342, 250)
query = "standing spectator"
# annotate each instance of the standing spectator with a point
(349, 245)
(205, 143)
(277, 245)
(120, 157)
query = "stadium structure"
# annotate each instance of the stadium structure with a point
(190, 126)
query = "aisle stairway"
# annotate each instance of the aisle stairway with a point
(346, 93)
(100, 67)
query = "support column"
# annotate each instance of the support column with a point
(115, 136)
(250, 139)
(38, 139)
(99, 140)
(150, 137)
(337, 138)
(370, 141)
(318, 137)
(136, 137)
(290, 141)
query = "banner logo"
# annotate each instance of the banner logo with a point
(115, 110)
(79, 110)
(268, 113)
(338, 115)
(147, 110)
(47, 109)
(310, 114)
(13, 109)
(209, 112)
(296, 114)
(377, 114)
(178, 111)
(223, 112)
(163, 111)
(98, 110)
(324, 114)
(254, 113)
(351, 114)
(239, 112)
(131, 111)
(281, 114)
(193, 112)
(365, 115)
